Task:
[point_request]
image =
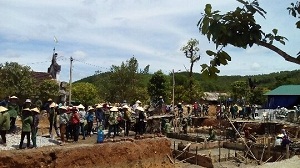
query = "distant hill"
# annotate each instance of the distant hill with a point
(222, 83)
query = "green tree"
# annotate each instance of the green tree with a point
(86, 93)
(158, 86)
(256, 96)
(239, 28)
(17, 80)
(48, 89)
(240, 90)
(191, 50)
(126, 82)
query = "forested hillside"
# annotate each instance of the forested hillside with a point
(221, 83)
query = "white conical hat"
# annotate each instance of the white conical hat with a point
(90, 108)
(80, 106)
(114, 109)
(52, 105)
(63, 107)
(140, 108)
(2, 109)
(35, 110)
(99, 106)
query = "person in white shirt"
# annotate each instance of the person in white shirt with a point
(82, 114)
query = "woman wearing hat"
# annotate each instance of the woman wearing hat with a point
(90, 120)
(27, 122)
(4, 123)
(141, 125)
(52, 116)
(36, 119)
(63, 121)
(13, 110)
(100, 116)
(127, 118)
(113, 122)
(75, 121)
(82, 114)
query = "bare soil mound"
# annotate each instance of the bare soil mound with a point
(140, 153)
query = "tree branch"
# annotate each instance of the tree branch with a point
(283, 54)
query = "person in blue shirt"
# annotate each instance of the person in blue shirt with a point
(100, 116)
(90, 120)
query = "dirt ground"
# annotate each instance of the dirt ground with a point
(139, 153)
(123, 152)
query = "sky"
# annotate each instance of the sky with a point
(102, 33)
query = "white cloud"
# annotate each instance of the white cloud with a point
(80, 55)
(104, 32)
(255, 66)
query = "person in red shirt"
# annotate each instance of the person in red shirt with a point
(75, 120)
(196, 108)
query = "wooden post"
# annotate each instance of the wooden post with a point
(287, 151)
(174, 146)
(228, 154)
(196, 155)
(297, 132)
(269, 148)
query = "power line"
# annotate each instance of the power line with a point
(91, 64)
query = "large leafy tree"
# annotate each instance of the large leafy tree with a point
(191, 50)
(86, 93)
(17, 80)
(48, 89)
(239, 90)
(158, 86)
(240, 29)
(125, 82)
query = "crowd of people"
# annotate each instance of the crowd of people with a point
(69, 122)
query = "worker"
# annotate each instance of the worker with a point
(248, 136)
(212, 134)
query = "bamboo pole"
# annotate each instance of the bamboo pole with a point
(242, 138)
(262, 155)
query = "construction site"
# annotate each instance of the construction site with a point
(230, 148)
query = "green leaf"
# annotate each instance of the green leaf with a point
(243, 2)
(207, 9)
(210, 53)
(226, 56)
(275, 31)
(282, 42)
(205, 25)
(298, 24)
(278, 38)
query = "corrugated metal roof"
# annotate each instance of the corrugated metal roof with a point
(285, 90)
(213, 96)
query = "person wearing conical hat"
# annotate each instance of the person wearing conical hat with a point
(75, 121)
(36, 120)
(234, 111)
(127, 118)
(4, 123)
(100, 116)
(112, 120)
(27, 104)
(27, 122)
(141, 121)
(159, 105)
(52, 117)
(82, 114)
(13, 110)
(63, 121)
(90, 120)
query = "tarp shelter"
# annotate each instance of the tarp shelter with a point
(284, 96)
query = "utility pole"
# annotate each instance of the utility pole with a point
(70, 82)
(173, 91)
(173, 99)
